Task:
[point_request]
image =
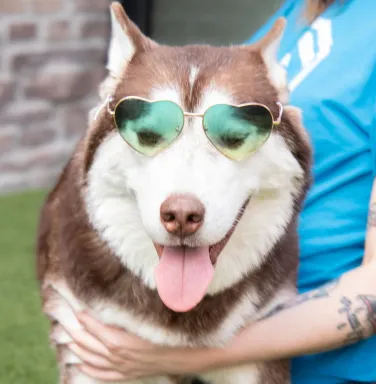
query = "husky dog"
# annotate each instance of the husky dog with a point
(164, 221)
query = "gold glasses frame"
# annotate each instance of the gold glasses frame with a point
(193, 114)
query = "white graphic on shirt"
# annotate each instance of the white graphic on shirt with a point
(313, 47)
(286, 60)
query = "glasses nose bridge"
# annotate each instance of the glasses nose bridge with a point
(193, 114)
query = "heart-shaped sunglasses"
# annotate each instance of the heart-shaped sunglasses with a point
(236, 131)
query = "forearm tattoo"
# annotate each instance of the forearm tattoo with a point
(372, 216)
(323, 291)
(359, 314)
(359, 317)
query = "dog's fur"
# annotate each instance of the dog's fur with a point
(98, 225)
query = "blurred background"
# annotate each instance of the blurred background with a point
(52, 57)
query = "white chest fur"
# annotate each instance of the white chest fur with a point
(61, 304)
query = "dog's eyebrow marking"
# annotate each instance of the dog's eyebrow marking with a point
(166, 93)
(212, 96)
(193, 76)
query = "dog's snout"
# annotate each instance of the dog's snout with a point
(182, 215)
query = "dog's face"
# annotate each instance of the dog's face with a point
(170, 216)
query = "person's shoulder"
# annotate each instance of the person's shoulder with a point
(356, 30)
(359, 14)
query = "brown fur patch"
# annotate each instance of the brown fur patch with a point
(275, 372)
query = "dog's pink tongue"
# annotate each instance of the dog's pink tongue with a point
(183, 275)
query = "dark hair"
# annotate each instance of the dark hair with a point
(314, 8)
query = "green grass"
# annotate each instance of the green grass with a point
(25, 356)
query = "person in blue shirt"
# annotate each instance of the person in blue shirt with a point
(329, 52)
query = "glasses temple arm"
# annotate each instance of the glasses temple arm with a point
(109, 110)
(279, 119)
(105, 103)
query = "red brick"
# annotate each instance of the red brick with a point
(26, 112)
(28, 60)
(7, 90)
(22, 31)
(9, 136)
(95, 28)
(32, 61)
(46, 6)
(12, 166)
(59, 30)
(34, 137)
(62, 82)
(12, 6)
(75, 120)
(48, 158)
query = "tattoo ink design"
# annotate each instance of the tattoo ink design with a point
(360, 317)
(359, 313)
(319, 293)
(356, 332)
(372, 216)
(369, 302)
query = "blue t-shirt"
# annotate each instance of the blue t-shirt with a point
(332, 78)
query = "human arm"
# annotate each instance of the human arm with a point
(370, 247)
(332, 316)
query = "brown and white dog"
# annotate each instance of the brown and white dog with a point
(101, 225)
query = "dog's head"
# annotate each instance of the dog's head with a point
(189, 220)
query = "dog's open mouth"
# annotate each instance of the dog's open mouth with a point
(184, 273)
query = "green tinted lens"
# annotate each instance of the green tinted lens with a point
(238, 132)
(148, 127)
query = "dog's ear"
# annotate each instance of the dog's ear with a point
(126, 40)
(268, 47)
(269, 44)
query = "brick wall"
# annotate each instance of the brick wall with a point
(52, 55)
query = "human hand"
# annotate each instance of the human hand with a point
(111, 354)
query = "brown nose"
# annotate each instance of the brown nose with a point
(182, 215)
